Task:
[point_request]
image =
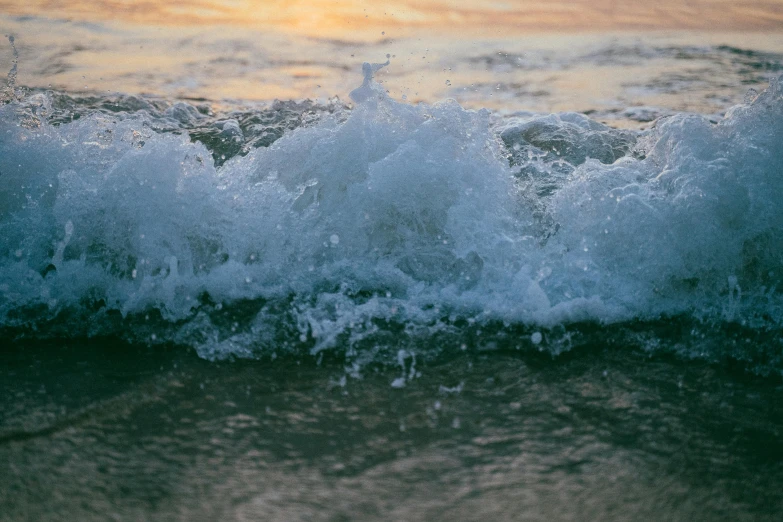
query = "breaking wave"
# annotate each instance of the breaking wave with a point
(367, 227)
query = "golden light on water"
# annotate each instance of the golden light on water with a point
(357, 20)
(267, 49)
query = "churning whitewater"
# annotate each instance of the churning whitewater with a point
(385, 218)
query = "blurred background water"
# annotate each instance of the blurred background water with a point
(582, 56)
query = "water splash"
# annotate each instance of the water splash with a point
(387, 223)
(10, 91)
(369, 87)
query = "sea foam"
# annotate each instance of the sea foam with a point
(427, 217)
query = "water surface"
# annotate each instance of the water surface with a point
(528, 268)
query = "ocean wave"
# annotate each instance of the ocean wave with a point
(323, 226)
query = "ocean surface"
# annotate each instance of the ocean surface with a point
(433, 262)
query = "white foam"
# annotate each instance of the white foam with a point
(398, 213)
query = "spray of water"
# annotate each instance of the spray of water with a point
(10, 92)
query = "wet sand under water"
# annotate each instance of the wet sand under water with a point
(98, 430)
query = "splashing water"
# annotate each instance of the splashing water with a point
(369, 87)
(386, 222)
(9, 91)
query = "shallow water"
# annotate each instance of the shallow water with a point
(363, 302)
(96, 429)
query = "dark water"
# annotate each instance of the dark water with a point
(100, 430)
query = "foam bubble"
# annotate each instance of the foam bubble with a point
(422, 215)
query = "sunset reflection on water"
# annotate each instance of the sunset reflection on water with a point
(361, 19)
(558, 55)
